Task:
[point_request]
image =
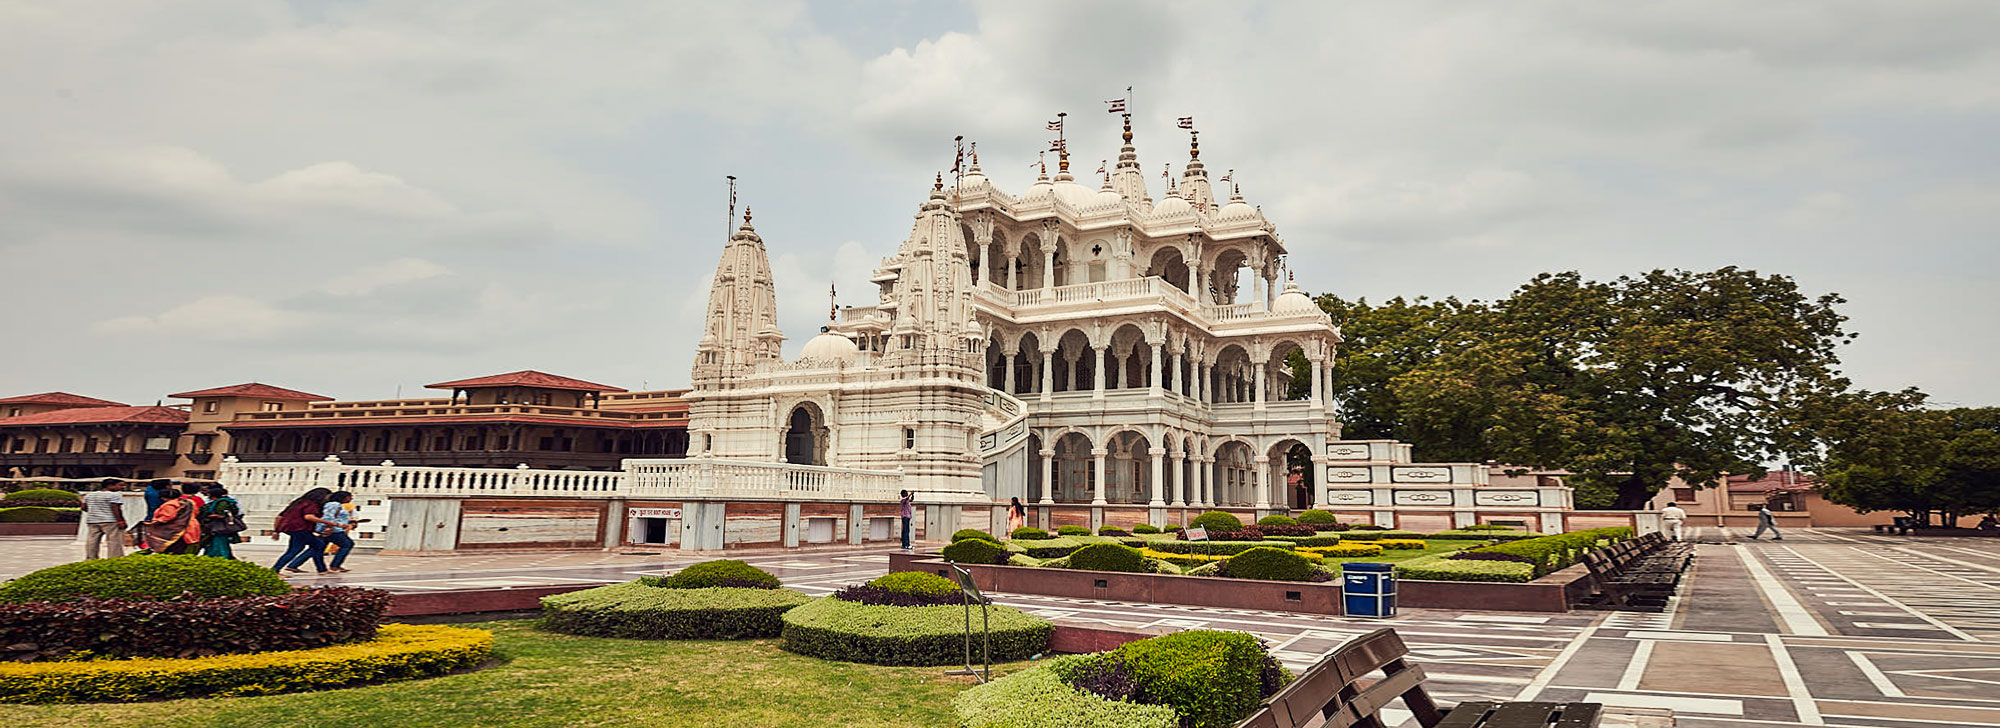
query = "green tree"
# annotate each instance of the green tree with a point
(1627, 383)
(1886, 452)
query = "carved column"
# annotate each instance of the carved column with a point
(1319, 377)
(1097, 355)
(1008, 385)
(1174, 374)
(1261, 484)
(1048, 241)
(1180, 479)
(1153, 377)
(1048, 375)
(1319, 481)
(1097, 488)
(1159, 477)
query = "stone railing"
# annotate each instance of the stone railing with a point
(724, 479)
(1012, 414)
(698, 478)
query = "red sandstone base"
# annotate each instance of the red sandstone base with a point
(37, 529)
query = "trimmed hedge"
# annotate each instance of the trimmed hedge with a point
(832, 629)
(1108, 557)
(1469, 534)
(1345, 550)
(1560, 551)
(1316, 517)
(964, 534)
(1112, 531)
(975, 551)
(1055, 548)
(28, 514)
(916, 582)
(1225, 548)
(634, 610)
(1072, 530)
(120, 628)
(1442, 568)
(1145, 528)
(1269, 564)
(1403, 544)
(1372, 536)
(1039, 697)
(1172, 528)
(145, 577)
(1277, 520)
(1181, 559)
(1217, 521)
(1030, 534)
(718, 573)
(44, 494)
(1210, 678)
(1306, 541)
(1488, 527)
(398, 652)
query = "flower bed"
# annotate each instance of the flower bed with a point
(1346, 550)
(121, 628)
(1514, 561)
(834, 629)
(635, 610)
(398, 652)
(1203, 678)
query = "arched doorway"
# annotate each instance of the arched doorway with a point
(805, 435)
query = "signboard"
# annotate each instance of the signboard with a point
(964, 579)
(1198, 533)
(654, 512)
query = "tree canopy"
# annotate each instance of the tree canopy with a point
(1885, 452)
(1626, 384)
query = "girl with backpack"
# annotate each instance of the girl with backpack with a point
(222, 523)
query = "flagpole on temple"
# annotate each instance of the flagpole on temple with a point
(729, 223)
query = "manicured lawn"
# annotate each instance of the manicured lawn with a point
(559, 680)
(1390, 556)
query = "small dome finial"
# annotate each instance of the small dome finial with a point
(939, 183)
(746, 214)
(1194, 144)
(1128, 128)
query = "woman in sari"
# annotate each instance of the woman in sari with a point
(175, 527)
(222, 522)
(1017, 516)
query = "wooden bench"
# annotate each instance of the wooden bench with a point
(1339, 691)
(1638, 573)
(1901, 526)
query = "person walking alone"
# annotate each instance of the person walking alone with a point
(335, 524)
(908, 501)
(1017, 516)
(297, 522)
(104, 519)
(1673, 516)
(1767, 521)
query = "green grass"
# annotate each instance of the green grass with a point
(551, 680)
(1390, 556)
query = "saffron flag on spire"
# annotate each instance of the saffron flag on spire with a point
(1057, 145)
(1229, 175)
(1101, 165)
(1185, 122)
(1117, 105)
(1055, 125)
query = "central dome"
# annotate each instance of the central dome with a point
(829, 348)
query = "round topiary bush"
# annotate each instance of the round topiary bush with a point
(721, 572)
(28, 514)
(1268, 564)
(1316, 516)
(1145, 528)
(1217, 521)
(1108, 557)
(149, 576)
(835, 629)
(972, 533)
(634, 610)
(1173, 528)
(44, 494)
(975, 551)
(1072, 531)
(1030, 534)
(904, 589)
(1112, 531)
(1277, 520)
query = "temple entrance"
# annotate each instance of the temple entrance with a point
(805, 436)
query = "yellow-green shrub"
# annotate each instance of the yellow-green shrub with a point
(398, 652)
(1345, 550)
(1398, 544)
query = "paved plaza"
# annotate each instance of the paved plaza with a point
(1828, 627)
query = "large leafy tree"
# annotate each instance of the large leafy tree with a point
(1886, 452)
(1627, 383)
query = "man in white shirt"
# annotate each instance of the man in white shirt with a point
(104, 519)
(1673, 516)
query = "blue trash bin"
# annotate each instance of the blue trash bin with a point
(1368, 590)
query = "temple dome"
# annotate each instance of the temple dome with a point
(829, 348)
(1293, 300)
(1173, 205)
(1075, 195)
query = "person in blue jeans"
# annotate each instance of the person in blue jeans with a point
(335, 524)
(297, 522)
(908, 501)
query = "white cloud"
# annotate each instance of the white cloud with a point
(210, 318)
(400, 270)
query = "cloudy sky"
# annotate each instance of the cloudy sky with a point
(355, 197)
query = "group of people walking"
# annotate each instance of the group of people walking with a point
(189, 518)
